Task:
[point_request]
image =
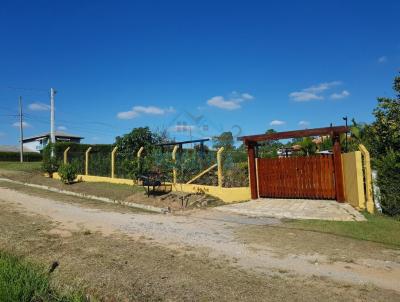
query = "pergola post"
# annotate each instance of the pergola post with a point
(251, 152)
(337, 161)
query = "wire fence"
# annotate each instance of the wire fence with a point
(188, 164)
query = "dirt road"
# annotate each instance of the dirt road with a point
(371, 271)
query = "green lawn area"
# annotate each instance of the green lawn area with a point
(17, 166)
(377, 228)
(23, 281)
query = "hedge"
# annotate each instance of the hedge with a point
(14, 156)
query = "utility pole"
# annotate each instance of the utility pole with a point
(52, 134)
(21, 132)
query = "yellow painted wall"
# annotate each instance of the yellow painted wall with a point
(353, 179)
(225, 194)
(92, 178)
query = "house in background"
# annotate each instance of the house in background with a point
(38, 142)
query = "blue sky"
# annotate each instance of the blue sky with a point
(203, 66)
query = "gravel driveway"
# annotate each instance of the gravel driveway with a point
(208, 230)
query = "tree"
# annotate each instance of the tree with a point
(131, 142)
(383, 140)
(269, 148)
(224, 140)
(384, 133)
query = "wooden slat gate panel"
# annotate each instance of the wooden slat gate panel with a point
(297, 177)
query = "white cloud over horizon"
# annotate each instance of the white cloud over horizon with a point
(61, 128)
(39, 107)
(341, 95)
(138, 110)
(24, 125)
(277, 123)
(314, 92)
(230, 103)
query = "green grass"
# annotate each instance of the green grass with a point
(23, 281)
(377, 228)
(17, 166)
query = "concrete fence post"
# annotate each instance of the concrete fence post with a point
(219, 163)
(368, 179)
(174, 172)
(113, 162)
(138, 155)
(66, 155)
(87, 161)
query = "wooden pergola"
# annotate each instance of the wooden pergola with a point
(252, 142)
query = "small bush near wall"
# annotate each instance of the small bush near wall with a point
(389, 182)
(68, 173)
(14, 156)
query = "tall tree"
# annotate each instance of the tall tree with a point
(384, 143)
(269, 148)
(131, 142)
(225, 139)
(384, 133)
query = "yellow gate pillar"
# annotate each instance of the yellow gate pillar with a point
(66, 155)
(113, 161)
(368, 178)
(219, 163)
(174, 172)
(87, 161)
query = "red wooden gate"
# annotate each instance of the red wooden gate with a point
(297, 177)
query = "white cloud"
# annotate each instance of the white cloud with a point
(127, 115)
(220, 102)
(341, 95)
(304, 124)
(24, 125)
(247, 96)
(61, 128)
(382, 59)
(138, 110)
(277, 123)
(39, 107)
(232, 102)
(312, 93)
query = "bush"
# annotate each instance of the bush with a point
(389, 182)
(67, 173)
(14, 156)
(50, 163)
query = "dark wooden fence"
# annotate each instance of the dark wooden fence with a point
(297, 177)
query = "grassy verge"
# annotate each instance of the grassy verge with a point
(24, 281)
(17, 166)
(377, 228)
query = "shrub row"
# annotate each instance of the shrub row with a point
(14, 156)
